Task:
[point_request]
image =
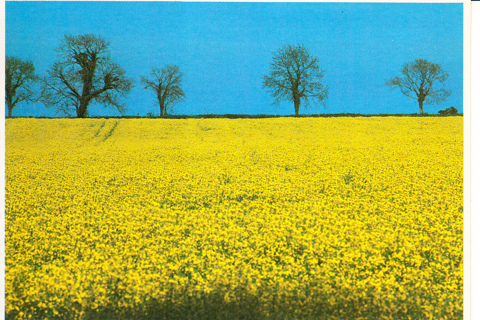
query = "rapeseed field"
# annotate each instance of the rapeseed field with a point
(284, 218)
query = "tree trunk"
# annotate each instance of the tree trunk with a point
(296, 101)
(161, 102)
(10, 105)
(88, 64)
(82, 110)
(420, 104)
(421, 98)
(162, 109)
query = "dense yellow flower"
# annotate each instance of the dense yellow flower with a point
(337, 218)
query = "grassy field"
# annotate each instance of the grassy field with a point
(287, 218)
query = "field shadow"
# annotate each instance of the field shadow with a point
(244, 305)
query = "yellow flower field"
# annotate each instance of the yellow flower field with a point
(283, 218)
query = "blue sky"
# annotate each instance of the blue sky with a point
(225, 48)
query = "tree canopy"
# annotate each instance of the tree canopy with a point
(84, 73)
(295, 75)
(422, 81)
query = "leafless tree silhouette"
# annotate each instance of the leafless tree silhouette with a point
(84, 73)
(19, 80)
(167, 85)
(295, 75)
(422, 81)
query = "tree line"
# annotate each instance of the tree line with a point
(84, 73)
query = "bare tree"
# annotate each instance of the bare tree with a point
(167, 85)
(19, 79)
(295, 75)
(84, 73)
(422, 80)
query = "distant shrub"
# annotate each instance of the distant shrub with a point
(451, 110)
